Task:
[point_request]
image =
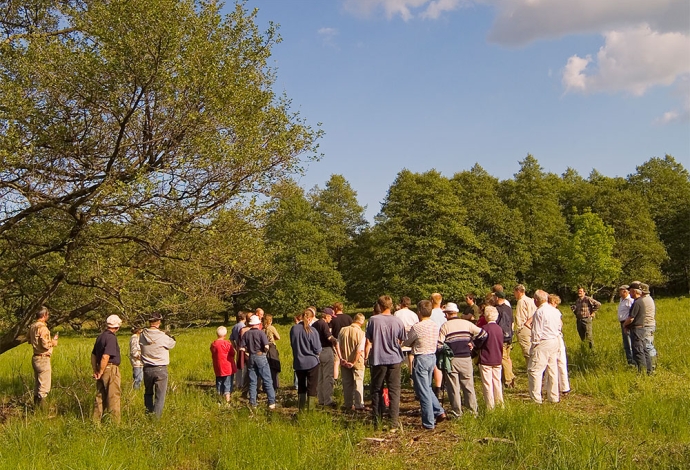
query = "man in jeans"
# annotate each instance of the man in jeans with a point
(155, 354)
(422, 339)
(624, 307)
(254, 344)
(384, 335)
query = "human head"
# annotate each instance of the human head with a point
(405, 302)
(359, 319)
(519, 291)
(259, 313)
(338, 308)
(297, 317)
(241, 317)
(500, 297)
(644, 288)
(496, 288)
(490, 313)
(469, 298)
(424, 308)
(136, 329)
(42, 313)
(451, 310)
(581, 292)
(377, 309)
(385, 302)
(267, 320)
(490, 299)
(436, 299)
(636, 289)
(155, 319)
(254, 321)
(221, 331)
(554, 300)
(623, 291)
(327, 314)
(540, 297)
(307, 315)
(113, 322)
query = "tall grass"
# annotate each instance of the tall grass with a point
(614, 418)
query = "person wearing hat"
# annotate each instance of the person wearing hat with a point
(624, 307)
(635, 325)
(254, 345)
(458, 333)
(326, 358)
(155, 354)
(585, 309)
(42, 345)
(105, 362)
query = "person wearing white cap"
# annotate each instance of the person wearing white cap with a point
(461, 336)
(105, 362)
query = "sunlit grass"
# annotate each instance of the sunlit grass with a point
(614, 418)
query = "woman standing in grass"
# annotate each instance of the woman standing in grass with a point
(273, 356)
(490, 358)
(306, 347)
(223, 354)
(563, 382)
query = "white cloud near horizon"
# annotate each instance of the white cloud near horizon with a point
(646, 43)
(327, 35)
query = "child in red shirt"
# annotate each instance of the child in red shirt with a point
(223, 355)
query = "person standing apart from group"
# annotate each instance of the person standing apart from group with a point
(42, 344)
(105, 363)
(155, 354)
(585, 310)
(624, 307)
(385, 333)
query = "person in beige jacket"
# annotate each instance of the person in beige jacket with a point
(42, 344)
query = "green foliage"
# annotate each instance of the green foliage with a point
(589, 259)
(125, 128)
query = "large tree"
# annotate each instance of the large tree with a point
(124, 127)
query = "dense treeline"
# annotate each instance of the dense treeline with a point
(146, 165)
(464, 233)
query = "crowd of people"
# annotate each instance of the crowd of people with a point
(440, 345)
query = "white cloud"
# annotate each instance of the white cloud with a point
(406, 9)
(328, 35)
(682, 114)
(632, 60)
(437, 7)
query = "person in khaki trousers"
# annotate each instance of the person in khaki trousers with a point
(42, 344)
(523, 311)
(105, 362)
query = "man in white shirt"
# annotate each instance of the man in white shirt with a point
(623, 310)
(546, 330)
(438, 317)
(409, 318)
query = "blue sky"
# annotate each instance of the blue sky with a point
(442, 84)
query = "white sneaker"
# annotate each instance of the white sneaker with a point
(272, 407)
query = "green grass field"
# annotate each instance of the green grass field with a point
(614, 417)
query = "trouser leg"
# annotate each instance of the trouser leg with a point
(463, 366)
(348, 379)
(378, 375)
(507, 364)
(627, 344)
(326, 380)
(487, 385)
(393, 381)
(358, 375)
(563, 381)
(160, 390)
(112, 382)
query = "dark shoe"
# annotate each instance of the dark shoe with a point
(441, 418)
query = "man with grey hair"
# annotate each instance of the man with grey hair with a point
(523, 311)
(42, 344)
(649, 324)
(546, 330)
(635, 325)
(105, 363)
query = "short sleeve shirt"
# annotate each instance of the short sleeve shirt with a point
(106, 343)
(385, 332)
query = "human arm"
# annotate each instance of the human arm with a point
(99, 368)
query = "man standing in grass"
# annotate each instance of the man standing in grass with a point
(326, 358)
(42, 344)
(471, 312)
(423, 338)
(408, 318)
(458, 333)
(624, 307)
(155, 354)
(384, 335)
(439, 318)
(254, 344)
(105, 363)
(546, 331)
(649, 324)
(505, 321)
(635, 325)
(351, 349)
(585, 309)
(523, 311)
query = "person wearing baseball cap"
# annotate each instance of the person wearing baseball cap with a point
(105, 362)
(155, 354)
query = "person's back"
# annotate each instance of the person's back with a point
(222, 354)
(306, 347)
(155, 346)
(340, 321)
(350, 342)
(385, 333)
(407, 317)
(491, 353)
